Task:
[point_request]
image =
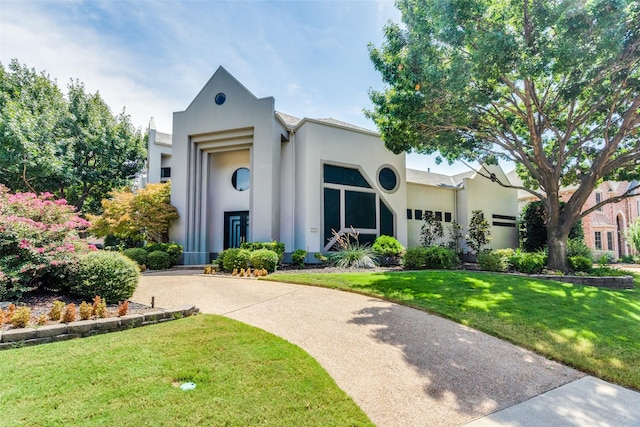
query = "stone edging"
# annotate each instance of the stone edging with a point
(13, 338)
(608, 282)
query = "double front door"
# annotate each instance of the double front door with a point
(236, 225)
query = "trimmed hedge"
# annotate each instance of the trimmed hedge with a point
(234, 258)
(438, 257)
(110, 275)
(138, 255)
(264, 258)
(277, 247)
(158, 260)
(413, 258)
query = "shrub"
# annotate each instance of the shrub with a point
(277, 247)
(431, 230)
(298, 256)
(123, 307)
(86, 310)
(158, 260)
(69, 314)
(529, 262)
(139, 255)
(350, 253)
(235, 258)
(605, 258)
(438, 257)
(577, 247)
(580, 263)
(320, 257)
(21, 317)
(413, 258)
(493, 261)
(108, 274)
(99, 307)
(264, 259)
(387, 246)
(479, 232)
(56, 311)
(172, 249)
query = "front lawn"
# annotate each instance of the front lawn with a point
(594, 330)
(243, 376)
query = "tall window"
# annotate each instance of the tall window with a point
(599, 199)
(609, 240)
(598, 240)
(350, 201)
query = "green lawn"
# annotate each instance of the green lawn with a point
(243, 375)
(594, 330)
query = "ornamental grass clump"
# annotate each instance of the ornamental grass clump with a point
(350, 253)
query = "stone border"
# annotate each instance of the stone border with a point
(607, 282)
(14, 338)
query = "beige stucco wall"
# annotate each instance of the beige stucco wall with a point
(429, 198)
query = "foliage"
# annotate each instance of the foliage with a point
(123, 307)
(533, 227)
(577, 247)
(158, 260)
(455, 236)
(413, 258)
(298, 257)
(264, 259)
(173, 249)
(235, 258)
(479, 232)
(604, 258)
(145, 215)
(38, 240)
(85, 310)
(632, 234)
(528, 262)
(69, 313)
(387, 246)
(580, 263)
(109, 274)
(73, 147)
(320, 257)
(350, 253)
(99, 307)
(438, 257)
(277, 247)
(21, 317)
(493, 261)
(138, 255)
(56, 310)
(431, 230)
(552, 86)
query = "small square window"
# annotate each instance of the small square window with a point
(417, 214)
(447, 217)
(409, 214)
(439, 216)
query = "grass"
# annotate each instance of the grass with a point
(594, 330)
(243, 375)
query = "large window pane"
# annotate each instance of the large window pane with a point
(360, 209)
(386, 220)
(344, 176)
(331, 212)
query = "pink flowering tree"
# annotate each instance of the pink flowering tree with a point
(38, 241)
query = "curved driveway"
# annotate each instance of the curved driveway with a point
(403, 367)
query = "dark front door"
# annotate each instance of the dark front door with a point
(236, 225)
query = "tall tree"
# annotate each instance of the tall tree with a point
(552, 85)
(73, 146)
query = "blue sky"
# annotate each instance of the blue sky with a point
(153, 57)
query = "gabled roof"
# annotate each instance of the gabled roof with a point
(598, 219)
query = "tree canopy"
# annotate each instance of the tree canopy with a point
(71, 146)
(553, 86)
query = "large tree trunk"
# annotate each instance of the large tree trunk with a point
(560, 220)
(557, 245)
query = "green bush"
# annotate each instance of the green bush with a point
(110, 275)
(298, 256)
(605, 258)
(139, 255)
(172, 249)
(277, 247)
(264, 258)
(233, 258)
(158, 260)
(577, 247)
(387, 246)
(529, 262)
(580, 263)
(438, 257)
(413, 258)
(493, 261)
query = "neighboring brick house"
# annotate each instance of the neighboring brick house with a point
(604, 228)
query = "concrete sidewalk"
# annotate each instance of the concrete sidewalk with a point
(404, 367)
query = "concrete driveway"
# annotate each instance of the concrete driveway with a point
(404, 367)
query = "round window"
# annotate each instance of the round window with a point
(388, 179)
(240, 179)
(220, 98)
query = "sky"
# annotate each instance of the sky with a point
(152, 57)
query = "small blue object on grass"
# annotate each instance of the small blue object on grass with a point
(187, 386)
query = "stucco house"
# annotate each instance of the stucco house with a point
(242, 171)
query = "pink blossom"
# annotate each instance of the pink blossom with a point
(24, 244)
